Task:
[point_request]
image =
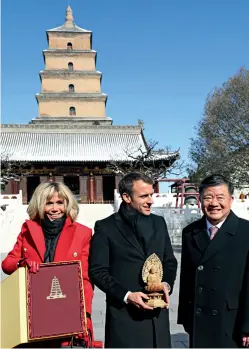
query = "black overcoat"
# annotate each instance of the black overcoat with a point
(116, 261)
(214, 283)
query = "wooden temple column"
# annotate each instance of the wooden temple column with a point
(23, 188)
(84, 189)
(156, 187)
(15, 186)
(91, 188)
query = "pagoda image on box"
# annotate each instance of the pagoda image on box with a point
(56, 292)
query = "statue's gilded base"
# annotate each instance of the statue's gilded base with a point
(156, 300)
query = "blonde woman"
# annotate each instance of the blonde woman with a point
(52, 235)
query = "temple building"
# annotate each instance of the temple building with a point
(72, 139)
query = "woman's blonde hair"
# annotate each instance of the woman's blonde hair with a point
(44, 192)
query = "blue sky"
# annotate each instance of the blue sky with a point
(159, 58)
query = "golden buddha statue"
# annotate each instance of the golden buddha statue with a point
(154, 283)
(152, 275)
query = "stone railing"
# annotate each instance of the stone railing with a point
(176, 219)
(10, 200)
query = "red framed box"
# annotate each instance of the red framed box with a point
(55, 301)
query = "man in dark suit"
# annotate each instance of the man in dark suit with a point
(120, 246)
(214, 281)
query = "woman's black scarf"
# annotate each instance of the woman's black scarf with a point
(141, 225)
(51, 231)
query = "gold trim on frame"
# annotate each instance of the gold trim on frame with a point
(70, 334)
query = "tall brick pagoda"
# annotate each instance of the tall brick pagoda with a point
(71, 85)
(71, 140)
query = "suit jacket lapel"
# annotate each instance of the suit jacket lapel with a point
(38, 237)
(65, 241)
(223, 236)
(127, 233)
(200, 235)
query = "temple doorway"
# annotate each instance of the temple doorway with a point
(32, 183)
(108, 188)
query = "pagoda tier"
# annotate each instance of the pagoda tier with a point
(61, 59)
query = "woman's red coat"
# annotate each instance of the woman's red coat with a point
(73, 244)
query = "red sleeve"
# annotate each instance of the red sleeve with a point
(9, 264)
(88, 289)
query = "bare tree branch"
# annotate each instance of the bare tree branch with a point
(222, 136)
(155, 163)
(12, 170)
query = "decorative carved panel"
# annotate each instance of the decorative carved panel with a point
(44, 179)
(59, 179)
(84, 196)
(98, 189)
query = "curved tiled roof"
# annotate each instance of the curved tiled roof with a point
(43, 146)
(89, 144)
(73, 29)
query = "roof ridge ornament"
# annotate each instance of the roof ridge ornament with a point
(69, 17)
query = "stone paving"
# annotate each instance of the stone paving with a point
(178, 336)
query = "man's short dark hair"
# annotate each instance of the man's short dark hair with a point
(126, 183)
(214, 180)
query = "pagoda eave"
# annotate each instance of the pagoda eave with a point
(118, 129)
(63, 29)
(74, 121)
(68, 53)
(65, 51)
(65, 73)
(70, 96)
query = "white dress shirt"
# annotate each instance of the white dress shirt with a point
(127, 294)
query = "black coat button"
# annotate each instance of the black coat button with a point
(214, 312)
(200, 267)
(216, 268)
(198, 311)
(200, 289)
(213, 289)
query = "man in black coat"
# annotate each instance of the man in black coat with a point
(120, 245)
(214, 280)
